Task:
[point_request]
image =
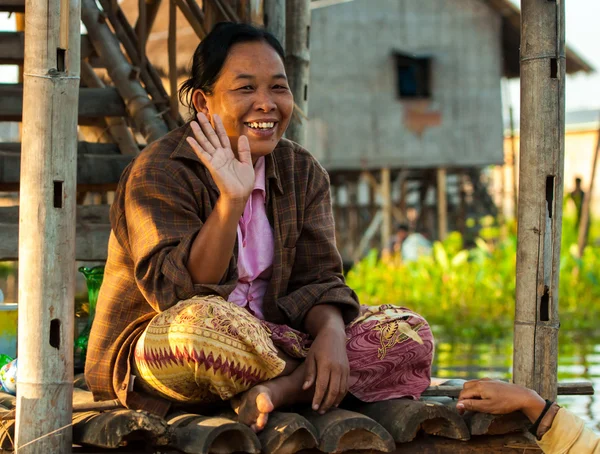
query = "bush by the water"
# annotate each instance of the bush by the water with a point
(469, 294)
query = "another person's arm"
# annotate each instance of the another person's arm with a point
(559, 431)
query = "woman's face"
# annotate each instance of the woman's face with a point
(252, 97)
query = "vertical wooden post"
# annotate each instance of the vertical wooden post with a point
(540, 194)
(172, 55)
(442, 205)
(297, 35)
(385, 190)
(47, 226)
(584, 222)
(274, 19)
(514, 162)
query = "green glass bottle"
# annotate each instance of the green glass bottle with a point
(4, 359)
(93, 279)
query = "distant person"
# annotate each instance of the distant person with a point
(410, 245)
(556, 429)
(577, 196)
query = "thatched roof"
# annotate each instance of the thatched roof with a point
(187, 41)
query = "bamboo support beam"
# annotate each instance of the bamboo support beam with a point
(196, 23)
(297, 43)
(172, 53)
(442, 205)
(274, 19)
(116, 126)
(540, 195)
(47, 227)
(145, 116)
(385, 191)
(147, 73)
(152, 7)
(584, 221)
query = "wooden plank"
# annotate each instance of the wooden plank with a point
(12, 48)
(12, 6)
(583, 388)
(92, 169)
(93, 102)
(92, 230)
(82, 147)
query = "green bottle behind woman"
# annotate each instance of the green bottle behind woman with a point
(93, 279)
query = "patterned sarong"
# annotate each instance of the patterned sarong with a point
(206, 349)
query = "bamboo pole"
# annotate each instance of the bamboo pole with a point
(152, 7)
(514, 162)
(275, 19)
(442, 205)
(584, 222)
(172, 52)
(47, 227)
(145, 116)
(140, 29)
(540, 195)
(148, 74)
(297, 33)
(116, 127)
(385, 189)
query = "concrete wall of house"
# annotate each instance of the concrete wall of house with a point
(356, 118)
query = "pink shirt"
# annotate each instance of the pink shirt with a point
(255, 248)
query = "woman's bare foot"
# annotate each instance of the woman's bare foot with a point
(253, 406)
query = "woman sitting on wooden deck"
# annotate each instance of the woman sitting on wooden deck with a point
(223, 280)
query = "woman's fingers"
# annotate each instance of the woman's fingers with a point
(205, 157)
(201, 139)
(221, 133)
(310, 373)
(320, 387)
(333, 391)
(244, 154)
(343, 389)
(208, 130)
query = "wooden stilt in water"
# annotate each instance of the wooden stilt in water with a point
(584, 222)
(47, 226)
(442, 205)
(297, 29)
(540, 195)
(385, 190)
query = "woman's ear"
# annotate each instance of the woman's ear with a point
(200, 102)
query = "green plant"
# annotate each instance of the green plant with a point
(468, 295)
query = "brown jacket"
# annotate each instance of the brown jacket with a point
(162, 200)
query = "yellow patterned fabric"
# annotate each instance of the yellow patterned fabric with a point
(205, 349)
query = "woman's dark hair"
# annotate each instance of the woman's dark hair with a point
(211, 53)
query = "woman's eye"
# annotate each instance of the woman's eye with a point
(246, 87)
(280, 87)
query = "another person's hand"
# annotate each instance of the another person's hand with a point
(499, 398)
(234, 176)
(327, 362)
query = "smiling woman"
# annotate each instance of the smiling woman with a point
(223, 281)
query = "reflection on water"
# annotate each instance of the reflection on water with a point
(495, 361)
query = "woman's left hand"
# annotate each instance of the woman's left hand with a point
(328, 369)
